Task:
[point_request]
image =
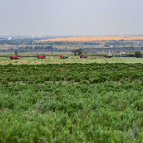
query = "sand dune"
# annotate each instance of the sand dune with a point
(100, 38)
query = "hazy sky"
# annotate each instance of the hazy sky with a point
(71, 17)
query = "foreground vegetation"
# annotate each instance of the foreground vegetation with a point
(71, 103)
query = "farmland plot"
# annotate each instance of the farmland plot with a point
(71, 102)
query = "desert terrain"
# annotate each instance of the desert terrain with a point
(100, 38)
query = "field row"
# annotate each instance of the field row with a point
(76, 73)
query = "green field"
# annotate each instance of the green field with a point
(63, 101)
(72, 59)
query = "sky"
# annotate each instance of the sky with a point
(71, 17)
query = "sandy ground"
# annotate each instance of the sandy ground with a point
(100, 38)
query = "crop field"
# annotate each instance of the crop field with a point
(71, 100)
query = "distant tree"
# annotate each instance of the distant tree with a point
(16, 52)
(26, 47)
(77, 52)
(138, 54)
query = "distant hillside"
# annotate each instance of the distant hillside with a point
(100, 38)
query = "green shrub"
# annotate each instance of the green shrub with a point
(138, 54)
